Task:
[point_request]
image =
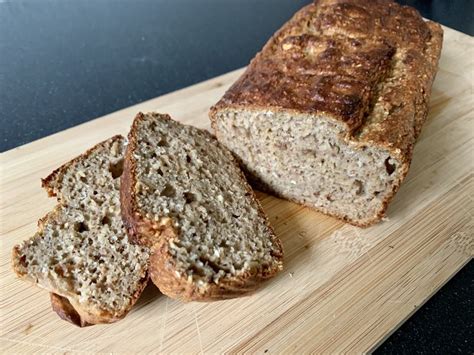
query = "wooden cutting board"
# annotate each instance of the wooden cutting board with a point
(343, 288)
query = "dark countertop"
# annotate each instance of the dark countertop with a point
(66, 62)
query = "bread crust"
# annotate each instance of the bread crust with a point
(66, 311)
(158, 234)
(366, 65)
(66, 305)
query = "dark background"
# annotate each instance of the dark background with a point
(66, 62)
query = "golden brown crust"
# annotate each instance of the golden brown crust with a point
(131, 219)
(334, 57)
(368, 65)
(157, 235)
(140, 229)
(66, 311)
(69, 309)
(163, 274)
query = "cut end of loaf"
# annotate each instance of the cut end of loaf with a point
(220, 234)
(362, 70)
(311, 161)
(81, 251)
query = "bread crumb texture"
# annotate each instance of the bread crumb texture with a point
(81, 250)
(184, 174)
(327, 114)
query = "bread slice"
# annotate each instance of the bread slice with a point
(327, 114)
(184, 196)
(81, 251)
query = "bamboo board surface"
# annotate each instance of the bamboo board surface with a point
(343, 288)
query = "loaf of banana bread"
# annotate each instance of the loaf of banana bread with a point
(327, 114)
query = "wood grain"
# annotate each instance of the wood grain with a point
(343, 288)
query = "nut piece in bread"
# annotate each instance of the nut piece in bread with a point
(184, 196)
